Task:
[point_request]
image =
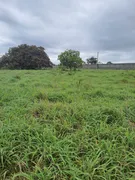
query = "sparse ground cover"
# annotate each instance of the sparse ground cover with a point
(67, 126)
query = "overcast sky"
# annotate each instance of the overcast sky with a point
(107, 26)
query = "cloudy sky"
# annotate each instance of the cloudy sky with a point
(107, 26)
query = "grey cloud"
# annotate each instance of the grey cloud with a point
(88, 26)
(116, 29)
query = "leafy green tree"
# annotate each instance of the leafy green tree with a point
(70, 59)
(92, 60)
(26, 57)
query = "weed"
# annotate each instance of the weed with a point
(56, 97)
(124, 81)
(41, 95)
(112, 116)
(130, 113)
(17, 77)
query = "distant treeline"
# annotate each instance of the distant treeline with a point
(32, 57)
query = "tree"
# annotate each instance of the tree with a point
(92, 60)
(26, 57)
(70, 59)
(109, 62)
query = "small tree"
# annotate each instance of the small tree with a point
(92, 60)
(109, 62)
(70, 59)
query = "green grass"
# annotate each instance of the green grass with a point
(67, 126)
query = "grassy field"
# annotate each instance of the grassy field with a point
(67, 126)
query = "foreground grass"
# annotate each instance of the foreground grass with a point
(60, 126)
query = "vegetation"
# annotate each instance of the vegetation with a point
(70, 59)
(92, 60)
(109, 62)
(77, 126)
(25, 57)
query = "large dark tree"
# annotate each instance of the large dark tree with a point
(25, 57)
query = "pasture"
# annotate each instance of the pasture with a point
(67, 125)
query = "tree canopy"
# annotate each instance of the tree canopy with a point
(25, 57)
(92, 60)
(70, 59)
(109, 62)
